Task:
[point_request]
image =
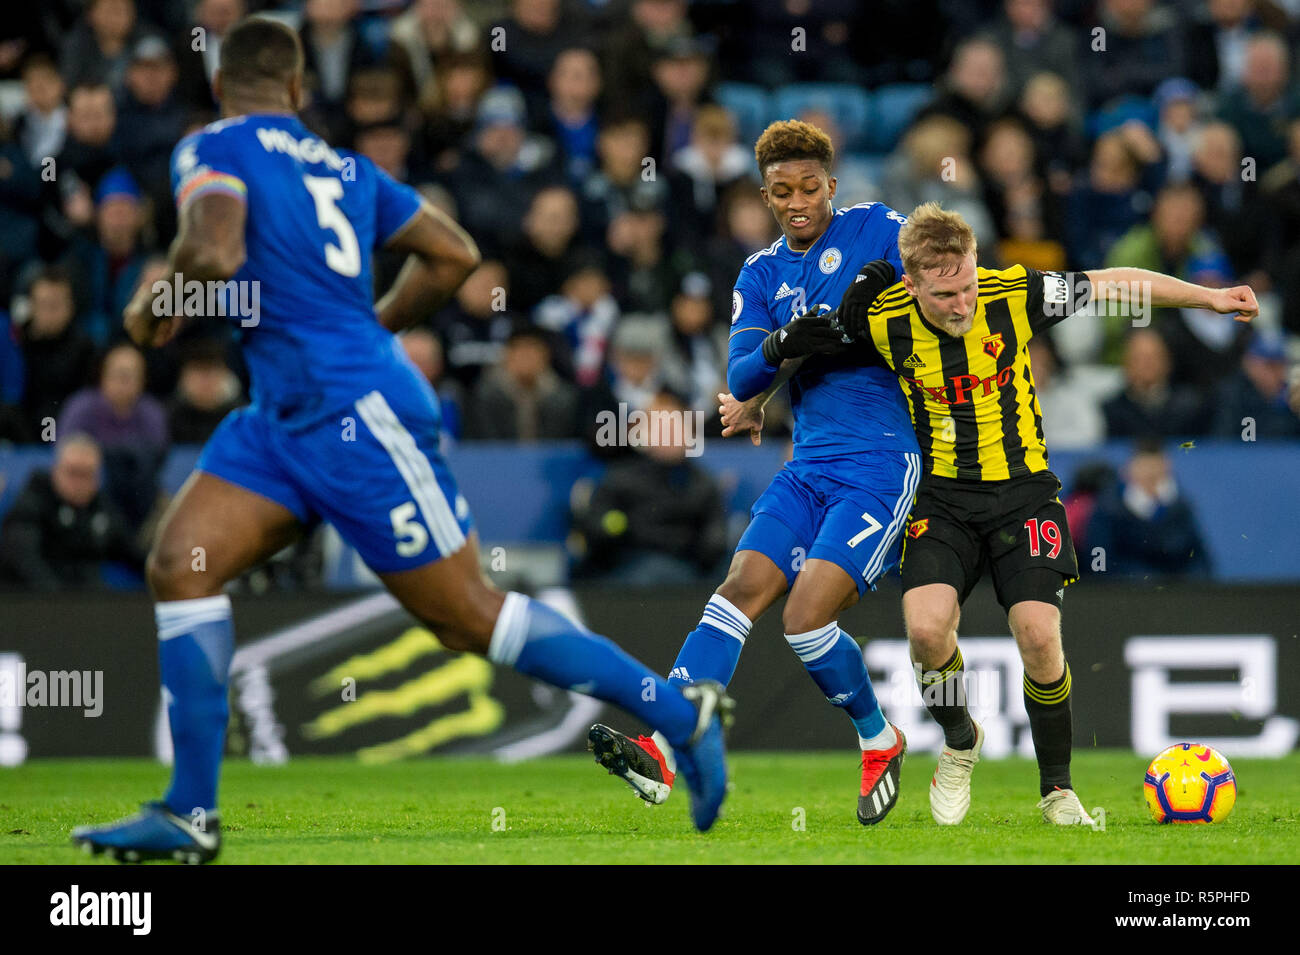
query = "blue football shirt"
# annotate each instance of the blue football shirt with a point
(314, 216)
(840, 407)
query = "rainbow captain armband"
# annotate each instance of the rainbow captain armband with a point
(208, 182)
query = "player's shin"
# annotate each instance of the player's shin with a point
(943, 691)
(1051, 725)
(195, 641)
(834, 660)
(712, 649)
(544, 644)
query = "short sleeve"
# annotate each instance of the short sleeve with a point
(395, 205)
(202, 165)
(1052, 297)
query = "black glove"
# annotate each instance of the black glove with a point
(874, 278)
(809, 334)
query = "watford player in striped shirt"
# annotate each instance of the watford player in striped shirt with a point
(957, 335)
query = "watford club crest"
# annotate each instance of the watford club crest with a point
(993, 345)
(917, 528)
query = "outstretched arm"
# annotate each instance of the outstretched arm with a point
(1165, 291)
(441, 256)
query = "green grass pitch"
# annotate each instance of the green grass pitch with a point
(564, 809)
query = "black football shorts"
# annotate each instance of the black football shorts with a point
(1016, 528)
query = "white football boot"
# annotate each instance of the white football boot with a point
(950, 785)
(1061, 807)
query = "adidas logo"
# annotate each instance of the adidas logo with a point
(785, 291)
(679, 673)
(913, 361)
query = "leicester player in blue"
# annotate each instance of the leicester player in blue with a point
(341, 428)
(830, 524)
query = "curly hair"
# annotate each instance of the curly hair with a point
(793, 139)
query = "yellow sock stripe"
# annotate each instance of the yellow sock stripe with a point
(952, 669)
(1048, 697)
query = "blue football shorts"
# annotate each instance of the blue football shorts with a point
(849, 511)
(373, 471)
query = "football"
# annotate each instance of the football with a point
(1189, 782)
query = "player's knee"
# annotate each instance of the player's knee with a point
(804, 617)
(929, 637)
(173, 573)
(467, 626)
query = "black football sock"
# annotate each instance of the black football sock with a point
(1050, 723)
(943, 691)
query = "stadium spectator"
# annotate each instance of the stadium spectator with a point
(425, 352)
(531, 38)
(129, 426)
(655, 518)
(156, 118)
(933, 163)
(206, 391)
(62, 529)
(1032, 40)
(623, 146)
(500, 174)
(21, 194)
(1230, 200)
(98, 48)
(42, 126)
(630, 50)
(547, 252)
(375, 95)
(1091, 481)
(1150, 403)
(1180, 126)
(110, 264)
(1122, 177)
(430, 31)
(90, 147)
(197, 54)
(697, 350)
(583, 314)
(704, 169)
(1023, 209)
(681, 79)
(474, 329)
(1144, 526)
(451, 107)
(1141, 45)
(1266, 100)
(640, 269)
(1216, 41)
(1053, 122)
(574, 87)
(388, 145)
(58, 358)
(1071, 417)
(1254, 404)
(975, 90)
(1204, 348)
(333, 49)
(522, 398)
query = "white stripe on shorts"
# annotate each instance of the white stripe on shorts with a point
(911, 478)
(416, 471)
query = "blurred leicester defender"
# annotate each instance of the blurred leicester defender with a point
(828, 527)
(341, 428)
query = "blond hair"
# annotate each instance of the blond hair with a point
(931, 237)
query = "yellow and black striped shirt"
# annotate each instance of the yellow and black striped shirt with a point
(972, 398)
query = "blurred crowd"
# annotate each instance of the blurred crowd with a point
(600, 153)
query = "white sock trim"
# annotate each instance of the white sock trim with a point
(510, 630)
(666, 749)
(175, 617)
(721, 614)
(815, 644)
(882, 740)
